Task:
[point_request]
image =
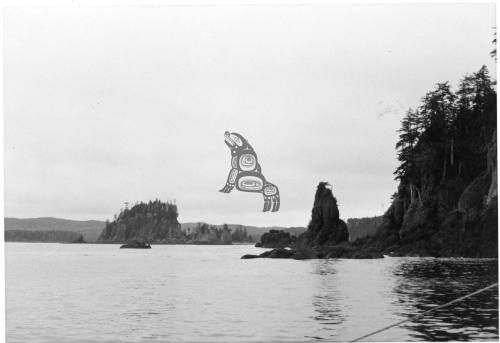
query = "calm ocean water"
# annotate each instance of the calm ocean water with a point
(99, 293)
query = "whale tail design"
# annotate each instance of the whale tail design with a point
(271, 195)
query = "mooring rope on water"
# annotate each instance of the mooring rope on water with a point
(418, 316)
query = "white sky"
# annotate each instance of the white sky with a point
(111, 104)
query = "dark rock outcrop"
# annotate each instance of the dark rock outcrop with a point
(325, 227)
(278, 253)
(250, 256)
(326, 235)
(136, 245)
(275, 239)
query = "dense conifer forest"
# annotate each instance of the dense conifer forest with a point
(445, 140)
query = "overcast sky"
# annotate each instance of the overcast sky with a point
(115, 104)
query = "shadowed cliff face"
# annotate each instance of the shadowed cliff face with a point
(325, 227)
(457, 219)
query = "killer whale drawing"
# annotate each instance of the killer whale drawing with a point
(246, 173)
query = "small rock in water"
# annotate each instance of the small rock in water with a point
(136, 245)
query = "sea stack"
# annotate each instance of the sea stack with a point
(325, 227)
(326, 235)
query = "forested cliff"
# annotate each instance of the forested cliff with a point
(446, 202)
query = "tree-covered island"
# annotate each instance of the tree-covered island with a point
(156, 222)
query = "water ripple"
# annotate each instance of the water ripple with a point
(97, 293)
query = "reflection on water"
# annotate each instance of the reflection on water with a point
(328, 311)
(424, 284)
(412, 286)
(99, 293)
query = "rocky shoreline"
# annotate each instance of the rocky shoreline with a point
(338, 251)
(446, 204)
(327, 236)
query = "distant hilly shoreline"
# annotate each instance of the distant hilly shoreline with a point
(91, 229)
